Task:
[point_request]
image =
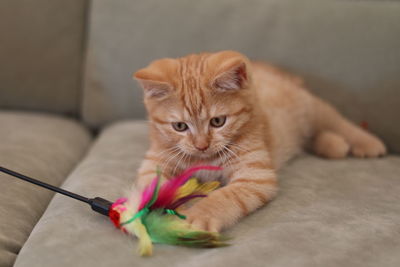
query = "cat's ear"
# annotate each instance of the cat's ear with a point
(155, 79)
(232, 72)
(151, 88)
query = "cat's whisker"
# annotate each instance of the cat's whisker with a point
(226, 156)
(183, 155)
(232, 144)
(238, 147)
(224, 159)
(165, 164)
(170, 150)
(232, 153)
(219, 156)
(185, 159)
(169, 157)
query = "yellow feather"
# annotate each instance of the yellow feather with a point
(189, 187)
(208, 187)
(192, 185)
(145, 245)
(138, 229)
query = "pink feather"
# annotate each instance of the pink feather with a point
(148, 193)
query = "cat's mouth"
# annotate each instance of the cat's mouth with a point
(205, 154)
(219, 152)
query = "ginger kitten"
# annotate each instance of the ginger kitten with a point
(247, 117)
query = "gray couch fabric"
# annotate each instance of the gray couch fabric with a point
(38, 145)
(328, 213)
(41, 51)
(348, 51)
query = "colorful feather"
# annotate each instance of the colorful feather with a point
(168, 189)
(156, 219)
(193, 186)
(166, 229)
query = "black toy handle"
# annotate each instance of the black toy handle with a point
(98, 204)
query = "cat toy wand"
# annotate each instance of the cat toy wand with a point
(156, 219)
(97, 204)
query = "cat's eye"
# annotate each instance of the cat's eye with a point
(179, 126)
(218, 121)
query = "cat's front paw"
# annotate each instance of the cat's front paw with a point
(201, 219)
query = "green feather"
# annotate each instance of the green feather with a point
(168, 229)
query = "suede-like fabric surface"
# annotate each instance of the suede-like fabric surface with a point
(41, 54)
(328, 213)
(38, 145)
(347, 51)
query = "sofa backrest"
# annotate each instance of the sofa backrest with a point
(41, 46)
(348, 51)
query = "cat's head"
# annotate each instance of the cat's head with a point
(198, 103)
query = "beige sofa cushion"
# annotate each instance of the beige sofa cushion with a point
(328, 213)
(41, 53)
(348, 51)
(42, 146)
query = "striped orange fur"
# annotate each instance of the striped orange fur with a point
(247, 117)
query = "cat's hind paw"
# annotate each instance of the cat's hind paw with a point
(368, 146)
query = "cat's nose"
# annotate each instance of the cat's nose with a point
(202, 147)
(201, 142)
